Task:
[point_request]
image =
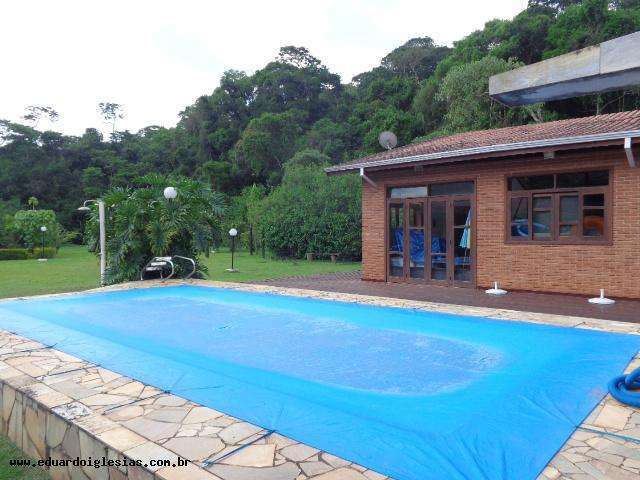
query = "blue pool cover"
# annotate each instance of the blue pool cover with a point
(412, 394)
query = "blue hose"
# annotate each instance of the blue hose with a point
(626, 388)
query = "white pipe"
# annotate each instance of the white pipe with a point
(103, 246)
(367, 179)
(629, 152)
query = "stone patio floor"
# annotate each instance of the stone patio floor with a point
(93, 411)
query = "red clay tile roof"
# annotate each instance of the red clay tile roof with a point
(575, 127)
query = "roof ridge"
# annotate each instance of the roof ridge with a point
(534, 125)
(578, 126)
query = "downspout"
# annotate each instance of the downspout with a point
(629, 152)
(367, 179)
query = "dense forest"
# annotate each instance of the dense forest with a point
(294, 113)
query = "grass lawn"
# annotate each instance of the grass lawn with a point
(9, 451)
(72, 269)
(77, 269)
(254, 267)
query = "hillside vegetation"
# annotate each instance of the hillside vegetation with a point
(295, 114)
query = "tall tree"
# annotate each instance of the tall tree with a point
(266, 143)
(417, 58)
(299, 57)
(35, 113)
(111, 113)
(465, 90)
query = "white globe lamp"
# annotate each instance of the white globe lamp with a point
(170, 193)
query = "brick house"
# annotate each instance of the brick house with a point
(552, 207)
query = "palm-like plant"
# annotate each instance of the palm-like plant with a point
(142, 224)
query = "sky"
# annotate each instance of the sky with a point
(157, 57)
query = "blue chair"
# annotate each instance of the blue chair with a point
(417, 248)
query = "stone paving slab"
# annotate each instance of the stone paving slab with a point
(55, 405)
(90, 409)
(606, 446)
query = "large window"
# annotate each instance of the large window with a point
(559, 208)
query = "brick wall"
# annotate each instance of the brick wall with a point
(579, 269)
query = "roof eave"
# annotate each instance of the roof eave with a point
(481, 152)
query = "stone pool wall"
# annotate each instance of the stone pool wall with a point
(35, 427)
(60, 407)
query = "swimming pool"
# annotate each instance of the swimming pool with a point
(412, 394)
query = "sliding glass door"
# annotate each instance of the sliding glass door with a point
(430, 240)
(450, 237)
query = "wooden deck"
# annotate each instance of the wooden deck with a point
(559, 304)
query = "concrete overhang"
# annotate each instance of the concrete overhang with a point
(612, 65)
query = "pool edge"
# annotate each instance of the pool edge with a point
(586, 323)
(57, 406)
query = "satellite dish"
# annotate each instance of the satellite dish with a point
(388, 140)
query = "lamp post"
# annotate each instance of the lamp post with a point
(232, 233)
(103, 249)
(43, 229)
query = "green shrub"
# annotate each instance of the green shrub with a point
(241, 214)
(49, 252)
(27, 225)
(142, 224)
(25, 253)
(14, 253)
(8, 236)
(312, 212)
(71, 237)
(7, 231)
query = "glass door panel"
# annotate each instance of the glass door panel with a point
(396, 240)
(438, 238)
(416, 240)
(462, 216)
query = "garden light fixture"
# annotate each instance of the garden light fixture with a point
(170, 193)
(232, 233)
(43, 229)
(602, 300)
(495, 290)
(103, 249)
